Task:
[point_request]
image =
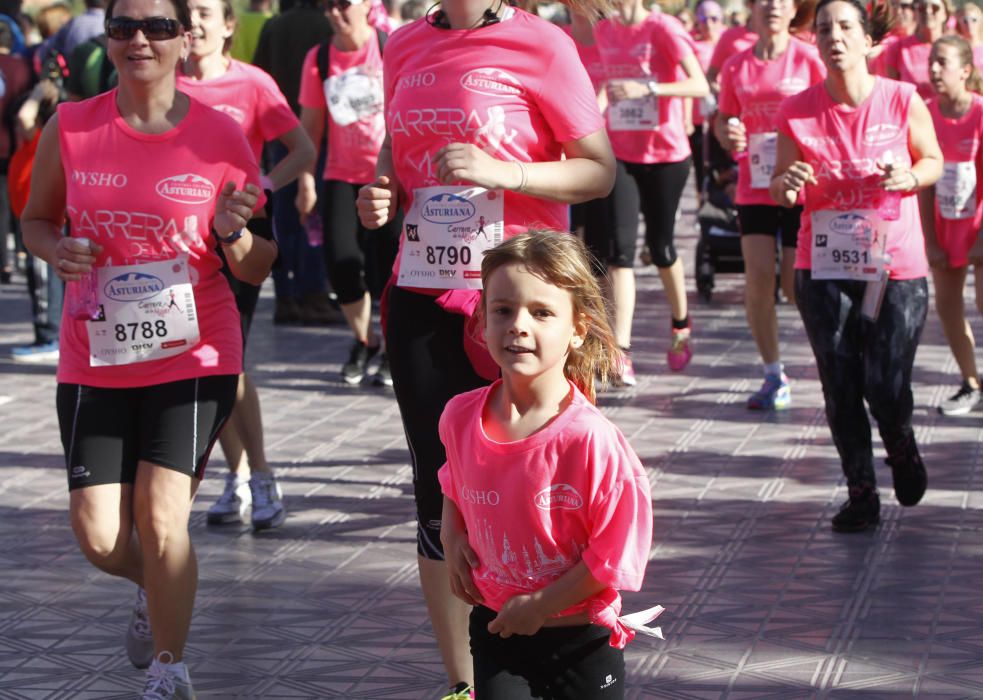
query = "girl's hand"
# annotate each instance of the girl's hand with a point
(520, 615)
(73, 258)
(736, 135)
(461, 560)
(234, 208)
(465, 161)
(376, 203)
(620, 90)
(897, 177)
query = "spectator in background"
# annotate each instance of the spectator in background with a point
(15, 80)
(87, 25)
(51, 18)
(249, 25)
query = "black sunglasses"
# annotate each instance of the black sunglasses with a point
(341, 4)
(153, 28)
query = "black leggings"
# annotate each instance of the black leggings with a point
(660, 187)
(611, 224)
(429, 367)
(860, 360)
(357, 260)
(555, 663)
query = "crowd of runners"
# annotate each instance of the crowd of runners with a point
(462, 185)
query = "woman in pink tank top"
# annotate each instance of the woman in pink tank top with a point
(907, 58)
(952, 234)
(151, 182)
(860, 147)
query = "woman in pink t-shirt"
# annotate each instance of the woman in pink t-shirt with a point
(907, 58)
(151, 182)
(709, 27)
(752, 86)
(347, 105)
(547, 511)
(952, 235)
(492, 126)
(859, 147)
(251, 97)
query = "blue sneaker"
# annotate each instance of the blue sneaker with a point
(39, 352)
(774, 394)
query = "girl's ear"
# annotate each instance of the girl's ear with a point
(579, 331)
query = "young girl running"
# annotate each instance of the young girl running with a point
(547, 510)
(951, 236)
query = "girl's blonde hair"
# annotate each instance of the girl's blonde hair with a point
(974, 83)
(562, 260)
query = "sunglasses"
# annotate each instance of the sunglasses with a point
(929, 7)
(969, 19)
(153, 28)
(341, 4)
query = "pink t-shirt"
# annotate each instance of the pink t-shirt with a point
(978, 56)
(124, 191)
(355, 124)
(843, 144)
(732, 41)
(590, 56)
(248, 95)
(909, 57)
(517, 89)
(650, 50)
(573, 491)
(960, 140)
(752, 90)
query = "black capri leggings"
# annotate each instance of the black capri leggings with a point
(660, 187)
(357, 260)
(611, 224)
(429, 367)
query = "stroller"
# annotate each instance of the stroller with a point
(719, 247)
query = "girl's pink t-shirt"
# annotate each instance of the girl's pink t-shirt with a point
(248, 95)
(573, 491)
(732, 42)
(355, 84)
(132, 193)
(909, 56)
(960, 140)
(516, 89)
(752, 89)
(650, 50)
(843, 145)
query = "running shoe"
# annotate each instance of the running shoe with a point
(860, 512)
(232, 504)
(382, 376)
(359, 356)
(38, 352)
(268, 509)
(962, 402)
(461, 691)
(774, 394)
(680, 351)
(139, 639)
(626, 377)
(910, 478)
(166, 683)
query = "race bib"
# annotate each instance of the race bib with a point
(446, 230)
(147, 313)
(641, 114)
(353, 96)
(955, 192)
(847, 245)
(762, 151)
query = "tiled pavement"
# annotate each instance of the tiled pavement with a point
(763, 600)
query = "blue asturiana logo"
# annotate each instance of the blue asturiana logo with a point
(447, 208)
(133, 286)
(860, 227)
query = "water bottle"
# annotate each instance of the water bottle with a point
(889, 206)
(315, 229)
(83, 297)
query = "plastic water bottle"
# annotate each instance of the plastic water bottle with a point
(83, 297)
(315, 229)
(889, 207)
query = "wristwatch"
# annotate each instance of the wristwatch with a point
(653, 88)
(231, 238)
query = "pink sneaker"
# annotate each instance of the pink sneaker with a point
(626, 375)
(680, 352)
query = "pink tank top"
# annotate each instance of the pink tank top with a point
(843, 144)
(131, 192)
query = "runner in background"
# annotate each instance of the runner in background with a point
(731, 42)
(952, 234)
(969, 24)
(709, 28)
(249, 25)
(903, 23)
(907, 58)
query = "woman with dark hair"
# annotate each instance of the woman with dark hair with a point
(860, 147)
(151, 182)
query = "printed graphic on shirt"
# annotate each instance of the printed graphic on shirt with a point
(354, 95)
(523, 564)
(187, 188)
(99, 179)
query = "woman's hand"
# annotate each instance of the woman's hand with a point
(376, 203)
(306, 196)
(620, 90)
(73, 258)
(735, 135)
(896, 177)
(465, 161)
(791, 182)
(234, 208)
(521, 614)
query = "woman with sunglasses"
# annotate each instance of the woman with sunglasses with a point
(151, 183)
(251, 97)
(969, 25)
(492, 126)
(907, 58)
(860, 147)
(752, 86)
(346, 104)
(952, 234)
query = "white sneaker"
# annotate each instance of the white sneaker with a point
(139, 639)
(268, 510)
(232, 504)
(166, 683)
